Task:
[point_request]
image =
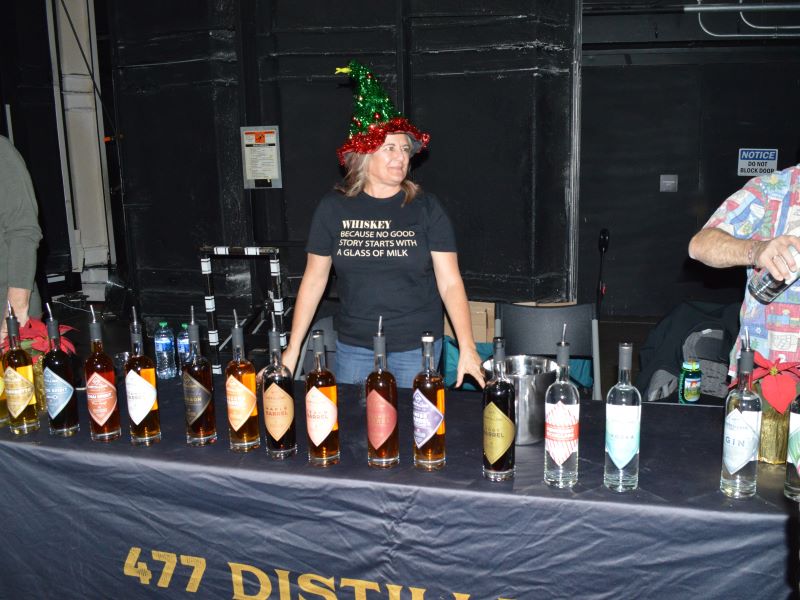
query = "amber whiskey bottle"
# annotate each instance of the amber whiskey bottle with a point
(240, 390)
(18, 377)
(383, 449)
(101, 390)
(322, 413)
(498, 419)
(276, 386)
(428, 409)
(3, 404)
(198, 393)
(140, 389)
(59, 384)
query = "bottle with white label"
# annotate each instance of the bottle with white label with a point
(322, 409)
(791, 485)
(742, 433)
(198, 392)
(59, 384)
(140, 389)
(765, 288)
(561, 424)
(623, 416)
(240, 392)
(277, 397)
(428, 412)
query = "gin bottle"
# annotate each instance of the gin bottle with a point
(791, 485)
(428, 411)
(322, 411)
(742, 433)
(561, 424)
(277, 396)
(498, 419)
(623, 416)
(383, 448)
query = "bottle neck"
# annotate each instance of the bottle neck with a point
(563, 373)
(499, 369)
(624, 377)
(136, 346)
(319, 361)
(276, 357)
(745, 381)
(97, 345)
(55, 343)
(427, 356)
(380, 362)
(238, 353)
(194, 349)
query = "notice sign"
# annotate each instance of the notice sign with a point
(757, 161)
(261, 159)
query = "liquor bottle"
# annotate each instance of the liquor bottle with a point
(240, 391)
(765, 288)
(18, 377)
(198, 392)
(791, 485)
(59, 384)
(276, 385)
(101, 390)
(322, 413)
(498, 419)
(428, 411)
(742, 432)
(3, 404)
(623, 417)
(561, 423)
(140, 388)
(383, 448)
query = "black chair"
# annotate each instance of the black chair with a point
(537, 329)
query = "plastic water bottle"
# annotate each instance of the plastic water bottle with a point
(165, 351)
(183, 345)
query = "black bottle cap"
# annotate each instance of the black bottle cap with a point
(318, 341)
(379, 345)
(52, 324)
(499, 352)
(237, 333)
(194, 328)
(274, 341)
(12, 325)
(562, 353)
(95, 328)
(746, 361)
(626, 356)
(136, 328)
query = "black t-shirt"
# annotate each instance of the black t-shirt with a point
(382, 255)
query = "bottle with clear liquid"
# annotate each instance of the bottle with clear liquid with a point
(240, 391)
(59, 384)
(623, 418)
(791, 485)
(380, 387)
(561, 424)
(165, 351)
(183, 345)
(742, 433)
(428, 412)
(277, 397)
(498, 419)
(101, 389)
(140, 389)
(765, 288)
(322, 411)
(18, 377)
(198, 392)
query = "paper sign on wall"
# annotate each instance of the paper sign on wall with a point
(757, 161)
(261, 157)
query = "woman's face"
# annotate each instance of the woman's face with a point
(388, 165)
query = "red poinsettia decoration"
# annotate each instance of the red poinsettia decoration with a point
(778, 381)
(33, 339)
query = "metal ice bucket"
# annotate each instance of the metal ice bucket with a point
(531, 376)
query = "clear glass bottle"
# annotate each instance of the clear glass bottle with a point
(561, 424)
(428, 410)
(101, 389)
(765, 288)
(240, 391)
(140, 390)
(623, 419)
(322, 411)
(277, 397)
(18, 377)
(198, 392)
(59, 384)
(742, 433)
(165, 351)
(791, 485)
(183, 345)
(499, 427)
(380, 387)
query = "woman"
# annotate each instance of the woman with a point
(393, 248)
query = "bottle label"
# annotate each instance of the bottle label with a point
(141, 396)
(381, 419)
(622, 433)
(498, 432)
(57, 391)
(278, 410)
(793, 450)
(427, 418)
(19, 389)
(241, 402)
(740, 440)
(196, 397)
(561, 430)
(321, 415)
(163, 344)
(183, 347)
(101, 397)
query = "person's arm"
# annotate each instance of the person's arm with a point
(312, 286)
(454, 296)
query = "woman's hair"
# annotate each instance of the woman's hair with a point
(355, 178)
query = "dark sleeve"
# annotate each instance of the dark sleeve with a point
(441, 237)
(320, 234)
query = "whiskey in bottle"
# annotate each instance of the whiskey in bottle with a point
(18, 377)
(198, 392)
(428, 407)
(383, 449)
(140, 388)
(59, 384)
(498, 419)
(276, 385)
(101, 390)
(3, 404)
(322, 413)
(240, 391)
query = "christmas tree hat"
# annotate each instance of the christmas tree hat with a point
(374, 116)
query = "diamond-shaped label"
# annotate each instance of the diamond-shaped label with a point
(740, 440)
(498, 432)
(141, 396)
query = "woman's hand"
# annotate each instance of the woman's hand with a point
(469, 363)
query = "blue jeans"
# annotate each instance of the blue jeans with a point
(354, 363)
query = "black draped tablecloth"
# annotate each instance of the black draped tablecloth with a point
(88, 520)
